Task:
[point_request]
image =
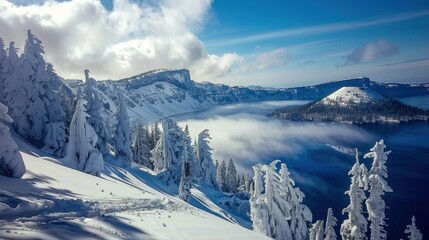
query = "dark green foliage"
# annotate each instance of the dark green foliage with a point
(378, 111)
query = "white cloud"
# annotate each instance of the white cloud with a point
(273, 58)
(130, 39)
(371, 51)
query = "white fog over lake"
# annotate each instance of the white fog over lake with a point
(319, 154)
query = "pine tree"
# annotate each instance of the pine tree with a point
(276, 206)
(185, 180)
(300, 213)
(65, 93)
(355, 226)
(94, 106)
(122, 137)
(8, 66)
(248, 183)
(33, 103)
(316, 230)
(377, 187)
(258, 208)
(81, 152)
(170, 151)
(208, 171)
(3, 59)
(11, 163)
(413, 231)
(231, 177)
(220, 175)
(158, 157)
(331, 222)
(190, 154)
(140, 148)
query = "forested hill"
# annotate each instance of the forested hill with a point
(353, 105)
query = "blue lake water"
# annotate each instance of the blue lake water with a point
(319, 156)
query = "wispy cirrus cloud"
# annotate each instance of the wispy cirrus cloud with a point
(371, 51)
(417, 60)
(314, 30)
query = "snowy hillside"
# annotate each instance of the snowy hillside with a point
(351, 95)
(52, 201)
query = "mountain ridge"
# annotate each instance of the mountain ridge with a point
(161, 93)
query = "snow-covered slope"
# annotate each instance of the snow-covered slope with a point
(346, 96)
(52, 201)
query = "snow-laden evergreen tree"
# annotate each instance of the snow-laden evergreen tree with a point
(355, 226)
(94, 106)
(3, 59)
(241, 183)
(159, 152)
(154, 135)
(331, 222)
(66, 95)
(258, 208)
(33, 104)
(81, 152)
(251, 188)
(190, 154)
(316, 230)
(185, 179)
(122, 136)
(220, 175)
(163, 155)
(204, 156)
(231, 181)
(8, 65)
(248, 183)
(300, 213)
(11, 163)
(276, 205)
(377, 176)
(169, 152)
(413, 231)
(140, 147)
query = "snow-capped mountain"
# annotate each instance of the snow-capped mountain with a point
(346, 96)
(353, 105)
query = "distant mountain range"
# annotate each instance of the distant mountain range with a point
(354, 105)
(159, 93)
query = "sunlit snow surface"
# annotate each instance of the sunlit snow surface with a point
(351, 95)
(55, 202)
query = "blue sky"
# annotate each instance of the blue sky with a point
(269, 43)
(319, 35)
